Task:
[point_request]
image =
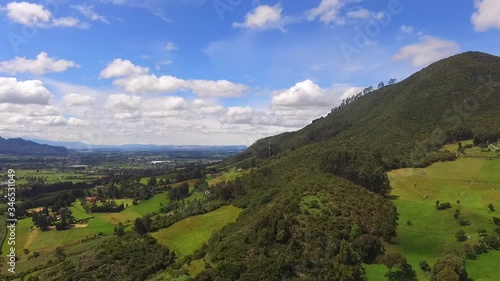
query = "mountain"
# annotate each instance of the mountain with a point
(455, 98)
(143, 147)
(317, 205)
(18, 146)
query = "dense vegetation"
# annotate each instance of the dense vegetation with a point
(316, 206)
(128, 258)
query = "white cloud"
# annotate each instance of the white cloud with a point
(407, 29)
(23, 92)
(89, 13)
(305, 93)
(78, 100)
(31, 14)
(219, 88)
(364, 14)
(121, 102)
(326, 12)
(428, 50)
(263, 16)
(171, 47)
(41, 65)
(137, 79)
(120, 68)
(486, 15)
(149, 83)
(359, 14)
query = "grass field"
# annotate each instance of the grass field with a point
(227, 176)
(188, 235)
(135, 211)
(53, 176)
(474, 182)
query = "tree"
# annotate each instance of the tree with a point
(482, 232)
(142, 225)
(447, 274)
(347, 255)
(152, 181)
(391, 260)
(119, 230)
(369, 247)
(60, 254)
(490, 206)
(381, 85)
(450, 266)
(469, 251)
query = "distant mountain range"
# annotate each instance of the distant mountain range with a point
(18, 146)
(45, 147)
(141, 147)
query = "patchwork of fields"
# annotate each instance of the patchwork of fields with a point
(424, 233)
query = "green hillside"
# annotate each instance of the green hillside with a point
(455, 98)
(302, 223)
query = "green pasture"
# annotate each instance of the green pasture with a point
(475, 183)
(188, 235)
(227, 176)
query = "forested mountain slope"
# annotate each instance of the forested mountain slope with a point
(303, 221)
(452, 99)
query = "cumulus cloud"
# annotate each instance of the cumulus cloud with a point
(305, 93)
(121, 68)
(486, 15)
(326, 12)
(136, 79)
(263, 16)
(78, 100)
(122, 102)
(23, 92)
(41, 65)
(31, 14)
(428, 50)
(88, 12)
(149, 83)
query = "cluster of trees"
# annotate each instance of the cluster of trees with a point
(279, 237)
(365, 91)
(486, 137)
(62, 219)
(179, 192)
(365, 169)
(127, 257)
(108, 206)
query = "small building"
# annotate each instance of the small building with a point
(91, 199)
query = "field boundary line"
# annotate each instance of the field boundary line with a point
(460, 180)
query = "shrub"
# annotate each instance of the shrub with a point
(424, 266)
(460, 236)
(443, 206)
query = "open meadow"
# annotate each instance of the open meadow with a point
(425, 233)
(188, 235)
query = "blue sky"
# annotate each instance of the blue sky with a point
(213, 71)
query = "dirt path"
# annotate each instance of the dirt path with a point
(32, 237)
